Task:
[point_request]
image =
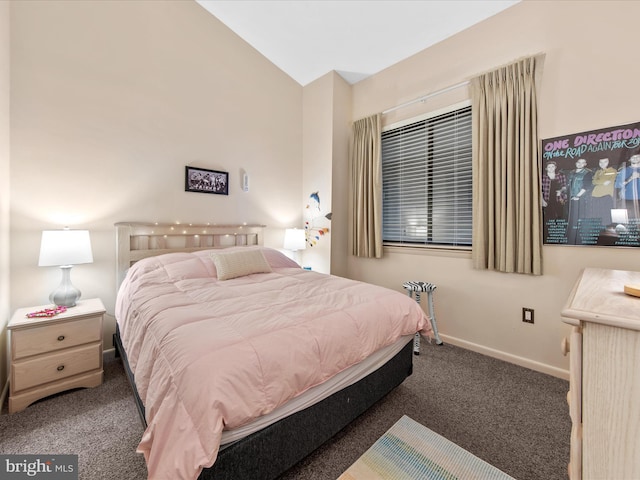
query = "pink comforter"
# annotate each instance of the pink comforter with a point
(210, 355)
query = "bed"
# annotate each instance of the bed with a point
(241, 362)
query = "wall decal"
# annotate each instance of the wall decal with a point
(313, 227)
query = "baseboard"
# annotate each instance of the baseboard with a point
(109, 354)
(507, 357)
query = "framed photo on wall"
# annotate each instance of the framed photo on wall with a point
(202, 180)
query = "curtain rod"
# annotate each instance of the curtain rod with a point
(424, 97)
(537, 56)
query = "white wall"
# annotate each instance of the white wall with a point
(588, 82)
(110, 101)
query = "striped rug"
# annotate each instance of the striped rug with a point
(410, 451)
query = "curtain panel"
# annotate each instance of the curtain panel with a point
(366, 188)
(507, 217)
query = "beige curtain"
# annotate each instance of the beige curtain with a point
(506, 170)
(366, 188)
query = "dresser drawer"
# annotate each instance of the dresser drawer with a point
(56, 366)
(57, 336)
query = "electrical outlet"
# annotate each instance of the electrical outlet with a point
(527, 315)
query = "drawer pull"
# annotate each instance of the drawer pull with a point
(61, 338)
(60, 368)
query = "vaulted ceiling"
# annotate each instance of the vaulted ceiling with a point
(357, 38)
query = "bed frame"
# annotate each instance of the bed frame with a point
(268, 453)
(135, 241)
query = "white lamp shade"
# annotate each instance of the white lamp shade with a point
(294, 239)
(65, 247)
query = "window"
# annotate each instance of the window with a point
(426, 181)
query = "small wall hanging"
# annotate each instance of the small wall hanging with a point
(202, 180)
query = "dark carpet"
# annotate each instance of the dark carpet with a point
(512, 417)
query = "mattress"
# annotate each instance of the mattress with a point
(319, 392)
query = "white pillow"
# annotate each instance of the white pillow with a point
(239, 263)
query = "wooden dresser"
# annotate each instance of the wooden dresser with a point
(604, 383)
(50, 355)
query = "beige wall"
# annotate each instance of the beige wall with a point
(589, 81)
(326, 129)
(4, 188)
(340, 175)
(317, 161)
(110, 101)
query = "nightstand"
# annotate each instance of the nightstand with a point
(53, 354)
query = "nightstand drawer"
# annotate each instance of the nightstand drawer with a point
(53, 337)
(57, 366)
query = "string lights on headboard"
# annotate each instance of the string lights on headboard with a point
(136, 240)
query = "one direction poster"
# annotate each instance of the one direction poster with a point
(591, 187)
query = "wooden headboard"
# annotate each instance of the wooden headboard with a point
(135, 240)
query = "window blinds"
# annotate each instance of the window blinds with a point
(427, 181)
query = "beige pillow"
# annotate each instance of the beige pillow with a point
(240, 263)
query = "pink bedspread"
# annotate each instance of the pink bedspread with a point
(208, 355)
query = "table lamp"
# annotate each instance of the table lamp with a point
(294, 239)
(620, 217)
(65, 248)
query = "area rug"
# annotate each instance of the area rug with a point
(410, 451)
